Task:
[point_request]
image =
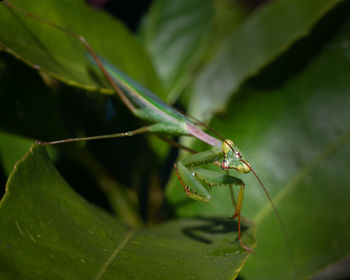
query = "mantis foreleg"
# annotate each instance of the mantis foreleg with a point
(198, 181)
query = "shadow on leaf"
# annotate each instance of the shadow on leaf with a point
(210, 228)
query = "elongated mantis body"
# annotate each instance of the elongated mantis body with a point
(165, 120)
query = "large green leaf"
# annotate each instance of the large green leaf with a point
(63, 56)
(50, 232)
(261, 38)
(180, 35)
(173, 34)
(296, 134)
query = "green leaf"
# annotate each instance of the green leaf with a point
(173, 33)
(180, 35)
(261, 38)
(63, 56)
(50, 232)
(295, 131)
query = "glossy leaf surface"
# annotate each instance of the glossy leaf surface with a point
(49, 231)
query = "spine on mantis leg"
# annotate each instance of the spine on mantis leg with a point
(187, 176)
(193, 188)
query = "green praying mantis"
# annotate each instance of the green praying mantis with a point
(167, 121)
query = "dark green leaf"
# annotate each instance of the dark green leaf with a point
(63, 56)
(50, 232)
(181, 35)
(173, 34)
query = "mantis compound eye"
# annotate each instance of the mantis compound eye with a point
(243, 168)
(226, 146)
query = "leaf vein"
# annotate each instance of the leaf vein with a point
(114, 254)
(301, 175)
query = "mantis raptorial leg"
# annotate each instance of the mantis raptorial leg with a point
(197, 181)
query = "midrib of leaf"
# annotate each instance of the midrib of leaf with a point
(115, 253)
(306, 170)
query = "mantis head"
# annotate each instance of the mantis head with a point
(233, 158)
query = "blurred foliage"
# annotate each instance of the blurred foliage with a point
(274, 79)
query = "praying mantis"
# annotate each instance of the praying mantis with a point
(167, 121)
